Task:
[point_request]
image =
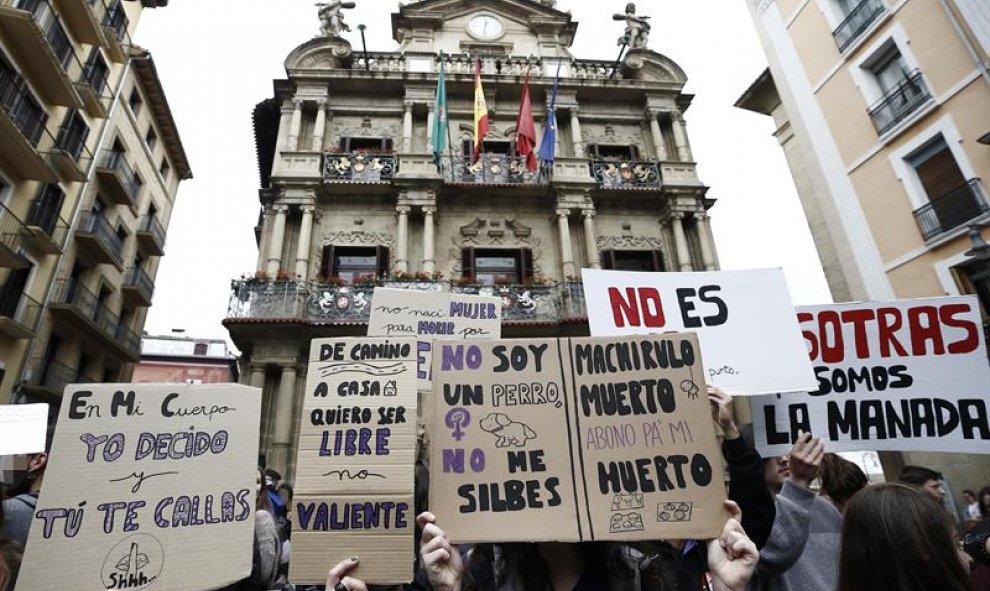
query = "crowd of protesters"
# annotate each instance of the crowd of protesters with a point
(806, 521)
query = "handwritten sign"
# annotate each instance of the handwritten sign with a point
(574, 440)
(147, 486)
(23, 428)
(903, 375)
(357, 446)
(432, 316)
(744, 319)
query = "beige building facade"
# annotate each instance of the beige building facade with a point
(90, 163)
(351, 198)
(882, 108)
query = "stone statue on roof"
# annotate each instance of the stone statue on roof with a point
(332, 17)
(637, 28)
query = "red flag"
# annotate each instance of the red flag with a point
(480, 110)
(525, 129)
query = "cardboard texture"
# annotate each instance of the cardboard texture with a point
(23, 428)
(574, 440)
(744, 319)
(147, 486)
(908, 375)
(355, 464)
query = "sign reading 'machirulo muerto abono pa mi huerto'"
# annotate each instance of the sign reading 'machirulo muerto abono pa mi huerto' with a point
(147, 486)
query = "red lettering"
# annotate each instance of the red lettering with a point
(920, 333)
(652, 307)
(859, 318)
(637, 307)
(972, 341)
(832, 351)
(888, 323)
(624, 309)
(809, 335)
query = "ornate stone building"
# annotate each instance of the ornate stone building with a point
(350, 197)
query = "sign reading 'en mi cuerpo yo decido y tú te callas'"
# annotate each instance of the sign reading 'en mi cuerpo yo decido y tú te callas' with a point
(574, 440)
(148, 486)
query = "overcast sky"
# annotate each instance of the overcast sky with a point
(217, 59)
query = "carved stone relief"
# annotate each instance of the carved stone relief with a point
(629, 242)
(495, 233)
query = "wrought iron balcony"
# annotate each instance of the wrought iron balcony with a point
(490, 169)
(137, 288)
(626, 174)
(509, 66)
(117, 176)
(899, 102)
(19, 315)
(76, 305)
(12, 233)
(83, 17)
(115, 25)
(952, 210)
(50, 379)
(71, 157)
(24, 137)
(151, 236)
(858, 20)
(93, 86)
(98, 241)
(48, 230)
(361, 167)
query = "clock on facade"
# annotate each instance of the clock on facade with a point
(485, 26)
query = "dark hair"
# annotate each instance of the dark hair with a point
(841, 479)
(524, 561)
(969, 492)
(984, 507)
(897, 538)
(273, 474)
(918, 475)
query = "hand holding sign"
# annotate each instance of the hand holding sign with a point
(732, 557)
(441, 559)
(805, 459)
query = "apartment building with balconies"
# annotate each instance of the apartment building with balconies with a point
(90, 162)
(351, 198)
(882, 108)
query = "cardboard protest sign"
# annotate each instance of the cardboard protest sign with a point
(903, 375)
(354, 468)
(23, 428)
(744, 320)
(147, 486)
(574, 440)
(431, 316)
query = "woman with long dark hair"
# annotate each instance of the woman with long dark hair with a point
(840, 479)
(897, 538)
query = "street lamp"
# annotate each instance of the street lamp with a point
(980, 250)
(364, 48)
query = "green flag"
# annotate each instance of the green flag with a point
(440, 118)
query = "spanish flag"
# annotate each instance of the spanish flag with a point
(480, 110)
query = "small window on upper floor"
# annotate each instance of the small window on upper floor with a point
(953, 199)
(632, 260)
(164, 169)
(200, 349)
(365, 144)
(614, 151)
(856, 16)
(72, 134)
(151, 138)
(901, 89)
(134, 102)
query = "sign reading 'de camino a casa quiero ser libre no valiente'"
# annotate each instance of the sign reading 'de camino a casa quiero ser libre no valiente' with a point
(574, 440)
(148, 486)
(908, 375)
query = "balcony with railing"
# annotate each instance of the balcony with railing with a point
(70, 156)
(254, 301)
(77, 306)
(24, 138)
(899, 102)
(118, 178)
(512, 67)
(42, 48)
(98, 242)
(48, 230)
(856, 22)
(115, 25)
(94, 86)
(359, 167)
(151, 236)
(12, 233)
(489, 169)
(138, 287)
(19, 315)
(48, 379)
(626, 174)
(952, 210)
(83, 17)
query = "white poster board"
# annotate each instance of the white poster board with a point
(23, 428)
(908, 375)
(744, 320)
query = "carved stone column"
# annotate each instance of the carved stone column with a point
(590, 240)
(429, 258)
(566, 251)
(407, 127)
(257, 376)
(707, 242)
(296, 125)
(680, 137)
(680, 240)
(284, 128)
(278, 237)
(321, 125)
(282, 441)
(305, 237)
(576, 136)
(429, 127)
(659, 148)
(402, 239)
(265, 243)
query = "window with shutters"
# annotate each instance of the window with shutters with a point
(497, 266)
(354, 264)
(953, 199)
(632, 260)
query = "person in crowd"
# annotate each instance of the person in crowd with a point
(983, 500)
(267, 546)
(897, 538)
(566, 567)
(840, 480)
(272, 481)
(10, 556)
(284, 524)
(976, 543)
(802, 551)
(924, 478)
(19, 507)
(970, 510)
